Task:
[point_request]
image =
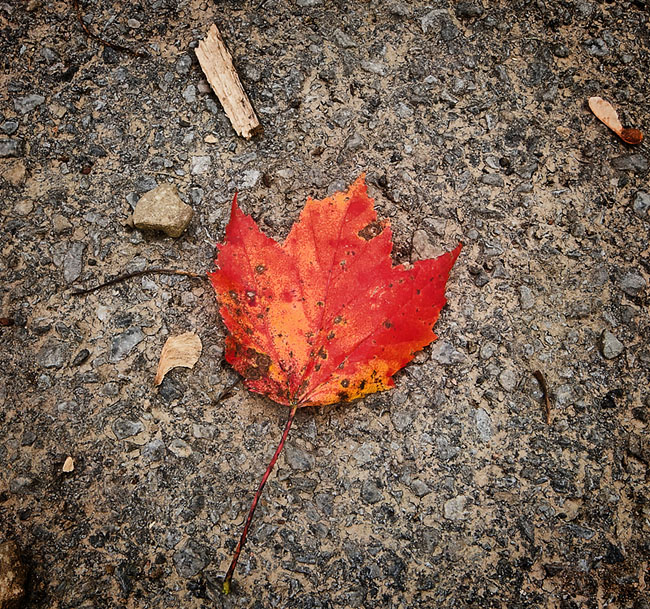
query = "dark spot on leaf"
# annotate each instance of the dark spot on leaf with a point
(258, 366)
(322, 353)
(372, 230)
(234, 295)
(320, 303)
(331, 335)
(362, 385)
(260, 316)
(345, 383)
(344, 396)
(317, 367)
(387, 324)
(338, 319)
(260, 268)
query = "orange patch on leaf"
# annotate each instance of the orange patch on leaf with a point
(324, 317)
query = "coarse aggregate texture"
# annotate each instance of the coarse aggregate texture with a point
(451, 490)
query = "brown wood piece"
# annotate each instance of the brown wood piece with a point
(216, 63)
(547, 400)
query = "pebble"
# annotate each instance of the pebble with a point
(419, 488)
(610, 346)
(10, 147)
(641, 204)
(508, 379)
(183, 64)
(446, 450)
(373, 67)
(468, 10)
(632, 284)
(154, 450)
(250, 178)
(123, 344)
(9, 127)
(454, 509)
(343, 40)
(180, 448)
(52, 354)
(14, 172)
(632, 162)
(401, 419)
(190, 560)
(355, 142)
(199, 165)
(526, 298)
(81, 357)
(163, 210)
(13, 576)
(28, 103)
(73, 261)
(124, 428)
(483, 424)
(492, 179)
(444, 353)
(370, 492)
(297, 459)
(21, 484)
(189, 94)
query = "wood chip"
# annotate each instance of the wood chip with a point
(68, 465)
(216, 63)
(179, 351)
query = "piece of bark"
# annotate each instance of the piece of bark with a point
(178, 351)
(216, 63)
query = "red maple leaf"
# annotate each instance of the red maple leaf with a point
(324, 317)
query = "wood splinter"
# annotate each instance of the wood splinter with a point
(216, 63)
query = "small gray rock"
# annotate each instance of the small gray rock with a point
(343, 40)
(401, 419)
(468, 10)
(123, 344)
(73, 261)
(632, 284)
(492, 179)
(631, 162)
(297, 459)
(370, 492)
(162, 209)
(446, 450)
(454, 509)
(53, 354)
(526, 298)
(180, 448)
(21, 484)
(250, 178)
(374, 67)
(26, 104)
(355, 142)
(123, 428)
(10, 147)
(154, 450)
(596, 47)
(184, 64)
(13, 576)
(189, 94)
(444, 353)
(190, 559)
(199, 165)
(641, 204)
(9, 127)
(508, 379)
(419, 488)
(610, 346)
(483, 424)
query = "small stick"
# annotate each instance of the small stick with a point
(112, 45)
(154, 271)
(547, 402)
(216, 63)
(267, 473)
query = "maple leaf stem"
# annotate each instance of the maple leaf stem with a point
(242, 540)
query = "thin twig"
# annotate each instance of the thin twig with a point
(154, 271)
(227, 392)
(106, 43)
(547, 402)
(267, 473)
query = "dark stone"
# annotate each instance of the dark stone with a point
(81, 357)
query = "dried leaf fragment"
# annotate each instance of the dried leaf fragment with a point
(68, 465)
(605, 112)
(178, 351)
